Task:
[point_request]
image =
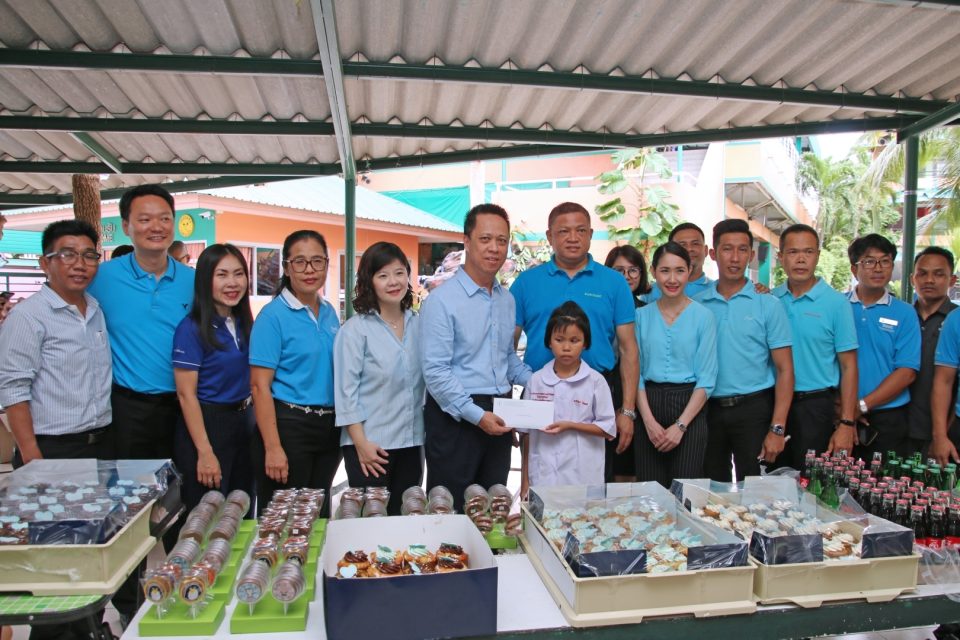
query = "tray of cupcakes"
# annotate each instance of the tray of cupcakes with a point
(79, 526)
(805, 552)
(394, 565)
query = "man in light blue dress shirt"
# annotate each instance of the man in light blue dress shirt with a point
(468, 360)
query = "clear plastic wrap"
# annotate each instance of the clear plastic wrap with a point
(621, 529)
(83, 501)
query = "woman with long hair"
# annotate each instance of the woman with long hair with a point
(211, 350)
(378, 381)
(678, 371)
(291, 377)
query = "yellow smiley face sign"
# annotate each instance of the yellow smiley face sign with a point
(185, 225)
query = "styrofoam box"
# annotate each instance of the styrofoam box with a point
(440, 605)
(627, 599)
(70, 569)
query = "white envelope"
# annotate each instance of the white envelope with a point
(524, 414)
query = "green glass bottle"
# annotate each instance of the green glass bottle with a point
(936, 476)
(816, 484)
(829, 494)
(950, 476)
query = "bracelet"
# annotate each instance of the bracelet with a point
(847, 423)
(681, 426)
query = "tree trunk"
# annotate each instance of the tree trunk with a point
(86, 200)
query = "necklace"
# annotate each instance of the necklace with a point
(667, 315)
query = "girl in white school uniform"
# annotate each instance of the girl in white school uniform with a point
(571, 450)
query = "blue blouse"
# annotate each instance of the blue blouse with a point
(685, 351)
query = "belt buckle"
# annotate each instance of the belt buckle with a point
(245, 403)
(729, 401)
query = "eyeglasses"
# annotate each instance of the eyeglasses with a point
(871, 263)
(69, 256)
(299, 265)
(633, 272)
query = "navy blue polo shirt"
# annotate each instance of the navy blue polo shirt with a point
(223, 375)
(889, 335)
(602, 293)
(287, 338)
(142, 314)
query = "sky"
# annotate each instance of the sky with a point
(837, 145)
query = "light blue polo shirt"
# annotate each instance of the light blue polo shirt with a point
(685, 351)
(889, 335)
(749, 326)
(822, 324)
(287, 338)
(693, 289)
(602, 293)
(948, 347)
(142, 314)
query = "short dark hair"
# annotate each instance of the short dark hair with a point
(566, 207)
(569, 314)
(798, 228)
(376, 257)
(673, 248)
(685, 226)
(870, 241)
(946, 254)
(731, 225)
(289, 241)
(204, 310)
(61, 228)
(176, 245)
(471, 220)
(121, 250)
(632, 255)
(126, 200)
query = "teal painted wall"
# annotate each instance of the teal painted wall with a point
(204, 229)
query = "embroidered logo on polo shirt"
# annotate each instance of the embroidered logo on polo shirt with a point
(592, 295)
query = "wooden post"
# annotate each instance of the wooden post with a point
(86, 200)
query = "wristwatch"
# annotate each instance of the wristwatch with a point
(630, 413)
(777, 430)
(863, 407)
(681, 426)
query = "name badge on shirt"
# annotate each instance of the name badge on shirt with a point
(888, 324)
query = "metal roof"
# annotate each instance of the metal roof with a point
(149, 91)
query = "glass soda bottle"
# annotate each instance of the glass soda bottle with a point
(829, 494)
(902, 513)
(919, 525)
(937, 531)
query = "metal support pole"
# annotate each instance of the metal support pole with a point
(350, 231)
(911, 160)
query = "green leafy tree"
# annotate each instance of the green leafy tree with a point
(649, 221)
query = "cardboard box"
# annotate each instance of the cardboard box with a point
(449, 605)
(630, 599)
(79, 568)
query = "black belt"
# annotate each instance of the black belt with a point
(669, 385)
(813, 393)
(227, 408)
(480, 397)
(319, 410)
(87, 437)
(158, 398)
(732, 401)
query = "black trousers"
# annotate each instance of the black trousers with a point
(667, 402)
(144, 424)
(460, 454)
(312, 446)
(230, 433)
(404, 469)
(64, 448)
(737, 432)
(810, 426)
(618, 464)
(893, 432)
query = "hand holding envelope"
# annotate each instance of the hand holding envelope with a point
(524, 414)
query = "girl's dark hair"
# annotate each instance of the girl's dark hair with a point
(566, 315)
(373, 259)
(632, 255)
(292, 239)
(204, 312)
(672, 248)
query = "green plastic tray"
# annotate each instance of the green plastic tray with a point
(177, 621)
(497, 539)
(268, 617)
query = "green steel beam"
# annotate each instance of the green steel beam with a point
(447, 132)
(33, 199)
(932, 121)
(911, 161)
(28, 166)
(160, 125)
(638, 85)
(173, 63)
(98, 150)
(228, 65)
(174, 168)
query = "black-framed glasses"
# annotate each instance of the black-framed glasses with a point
(871, 263)
(633, 272)
(299, 265)
(69, 256)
